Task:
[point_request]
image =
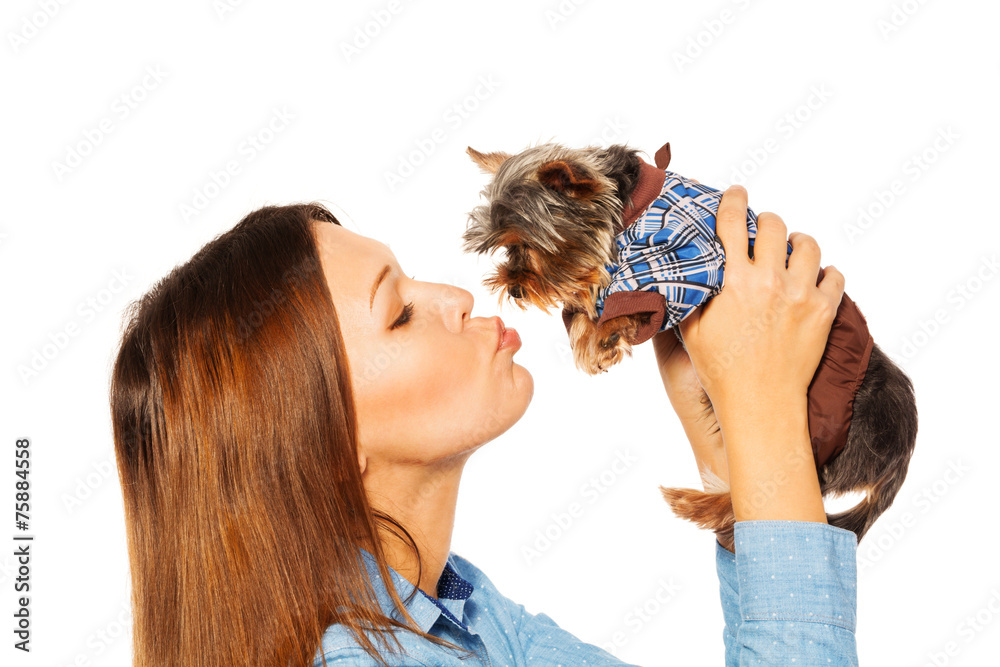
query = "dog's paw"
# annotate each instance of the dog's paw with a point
(596, 349)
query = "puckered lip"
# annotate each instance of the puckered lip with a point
(501, 328)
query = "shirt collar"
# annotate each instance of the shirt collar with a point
(452, 592)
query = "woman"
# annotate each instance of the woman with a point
(292, 415)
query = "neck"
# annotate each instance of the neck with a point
(422, 499)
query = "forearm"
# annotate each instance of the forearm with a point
(772, 473)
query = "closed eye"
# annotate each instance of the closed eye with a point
(406, 316)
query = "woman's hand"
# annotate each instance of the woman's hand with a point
(755, 348)
(769, 326)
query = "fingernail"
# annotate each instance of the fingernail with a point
(737, 187)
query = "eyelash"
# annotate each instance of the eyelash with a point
(404, 318)
(407, 313)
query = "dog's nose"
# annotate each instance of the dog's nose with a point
(515, 291)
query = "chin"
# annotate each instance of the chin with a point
(522, 376)
(525, 385)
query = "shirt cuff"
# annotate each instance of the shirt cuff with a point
(729, 593)
(796, 571)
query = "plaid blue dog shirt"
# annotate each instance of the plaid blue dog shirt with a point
(671, 260)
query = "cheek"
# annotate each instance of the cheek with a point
(411, 385)
(441, 373)
(438, 395)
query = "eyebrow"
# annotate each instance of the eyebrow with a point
(378, 281)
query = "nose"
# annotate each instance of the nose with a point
(462, 300)
(516, 292)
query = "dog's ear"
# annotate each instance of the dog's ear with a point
(561, 177)
(488, 162)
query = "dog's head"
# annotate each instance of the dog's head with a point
(554, 210)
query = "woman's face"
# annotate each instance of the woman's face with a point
(429, 382)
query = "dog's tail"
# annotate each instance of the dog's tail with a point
(880, 443)
(711, 509)
(877, 500)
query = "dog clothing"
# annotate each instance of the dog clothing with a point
(671, 260)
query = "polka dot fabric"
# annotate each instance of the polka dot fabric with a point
(451, 586)
(788, 598)
(789, 594)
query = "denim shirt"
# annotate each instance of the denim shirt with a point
(789, 597)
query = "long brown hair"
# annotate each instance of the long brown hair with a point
(236, 443)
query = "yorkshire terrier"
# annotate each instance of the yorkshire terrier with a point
(628, 249)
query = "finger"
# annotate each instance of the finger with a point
(803, 262)
(731, 227)
(694, 181)
(770, 247)
(832, 284)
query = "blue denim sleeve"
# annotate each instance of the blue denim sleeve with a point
(729, 591)
(358, 657)
(789, 594)
(545, 644)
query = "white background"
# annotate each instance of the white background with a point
(817, 108)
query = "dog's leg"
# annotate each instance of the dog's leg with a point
(596, 349)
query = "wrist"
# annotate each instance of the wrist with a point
(765, 409)
(769, 456)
